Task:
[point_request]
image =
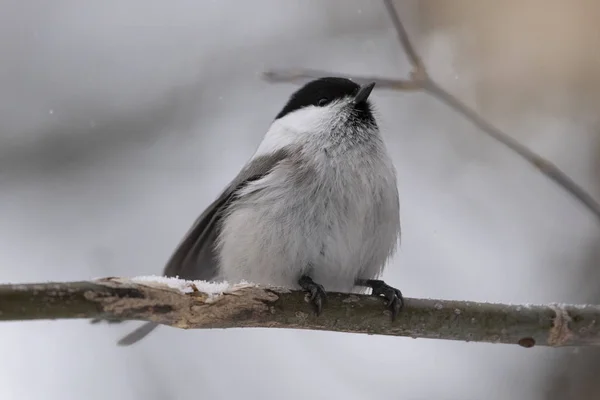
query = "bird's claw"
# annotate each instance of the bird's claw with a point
(318, 297)
(315, 293)
(395, 300)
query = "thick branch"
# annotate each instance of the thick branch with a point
(420, 80)
(201, 305)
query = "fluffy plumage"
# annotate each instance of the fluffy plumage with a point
(318, 198)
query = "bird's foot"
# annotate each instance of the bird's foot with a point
(394, 298)
(316, 293)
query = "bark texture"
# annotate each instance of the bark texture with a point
(245, 306)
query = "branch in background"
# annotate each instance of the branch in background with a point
(420, 80)
(543, 165)
(419, 70)
(203, 305)
(302, 75)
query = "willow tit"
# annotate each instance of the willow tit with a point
(315, 208)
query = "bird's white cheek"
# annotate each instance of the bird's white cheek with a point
(276, 138)
(297, 128)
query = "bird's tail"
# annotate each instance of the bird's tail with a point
(137, 334)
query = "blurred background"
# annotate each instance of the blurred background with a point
(121, 120)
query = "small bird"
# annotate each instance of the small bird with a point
(316, 207)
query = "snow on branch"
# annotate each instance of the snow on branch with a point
(204, 305)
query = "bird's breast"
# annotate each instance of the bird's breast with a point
(310, 214)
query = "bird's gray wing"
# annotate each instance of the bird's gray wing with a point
(195, 258)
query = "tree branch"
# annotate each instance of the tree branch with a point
(420, 80)
(302, 75)
(409, 49)
(204, 305)
(540, 163)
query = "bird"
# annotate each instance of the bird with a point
(316, 207)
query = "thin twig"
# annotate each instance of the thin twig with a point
(541, 164)
(405, 41)
(420, 80)
(302, 75)
(201, 305)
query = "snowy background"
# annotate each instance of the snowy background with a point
(121, 120)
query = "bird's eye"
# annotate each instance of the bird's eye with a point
(322, 101)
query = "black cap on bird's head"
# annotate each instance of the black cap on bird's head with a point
(324, 91)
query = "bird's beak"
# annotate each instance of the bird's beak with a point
(363, 93)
